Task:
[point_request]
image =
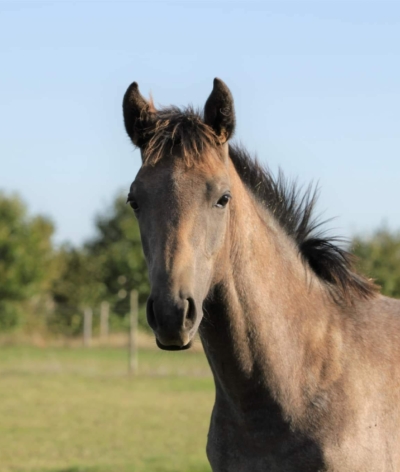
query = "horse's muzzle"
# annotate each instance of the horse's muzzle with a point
(173, 323)
(173, 348)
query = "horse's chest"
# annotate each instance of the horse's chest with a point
(258, 447)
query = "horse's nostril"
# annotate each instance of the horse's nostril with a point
(171, 320)
(190, 315)
(151, 317)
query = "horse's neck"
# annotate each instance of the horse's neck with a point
(270, 328)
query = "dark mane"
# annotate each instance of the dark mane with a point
(293, 209)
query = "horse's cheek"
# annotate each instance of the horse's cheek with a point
(215, 235)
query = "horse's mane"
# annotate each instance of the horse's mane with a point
(294, 211)
(292, 208)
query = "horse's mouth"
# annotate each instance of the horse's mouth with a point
(173, 348)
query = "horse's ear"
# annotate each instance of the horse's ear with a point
(219, 111)
(139, 114)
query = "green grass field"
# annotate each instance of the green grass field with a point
(77, 410)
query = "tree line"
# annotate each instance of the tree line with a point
(44, 287)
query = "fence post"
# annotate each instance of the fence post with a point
(87, 326)
(104, 320)
(133, 323)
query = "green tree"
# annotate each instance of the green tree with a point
(106, 268)
(77, 285)
(26, 260)
(118, 251)
(379, 258)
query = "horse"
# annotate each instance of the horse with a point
(305, 353)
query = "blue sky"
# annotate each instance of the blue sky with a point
(316, 87)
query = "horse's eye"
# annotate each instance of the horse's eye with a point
(133, 204)
(223, 201)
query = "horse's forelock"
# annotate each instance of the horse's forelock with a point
(181, 133)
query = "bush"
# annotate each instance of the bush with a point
(379, 258)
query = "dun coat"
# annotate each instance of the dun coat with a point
(305, 353)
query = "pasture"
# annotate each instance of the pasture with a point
(65, 409)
